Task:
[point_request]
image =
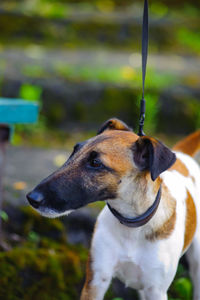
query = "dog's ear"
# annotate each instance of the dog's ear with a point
(113, 124)
(150, 154)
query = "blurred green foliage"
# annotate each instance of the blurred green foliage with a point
(108, 23)
(3, 216)
(30, 92)
(189, 39)
(125, 74)
(51, 27)
(183, 288)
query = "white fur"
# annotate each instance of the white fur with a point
(148, 266)
(51, 213)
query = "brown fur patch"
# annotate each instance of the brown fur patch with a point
(180, 167)
(88, 292)
(114, 124)
(191, 221)
(157, 184)
(165, 229)
(115, 151)
(190, 145)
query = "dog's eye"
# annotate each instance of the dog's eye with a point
(95, 163)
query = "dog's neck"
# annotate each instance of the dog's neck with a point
(136, 197)
(142, 219)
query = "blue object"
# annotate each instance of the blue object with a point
(15, 111)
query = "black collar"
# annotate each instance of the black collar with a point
(143, 218)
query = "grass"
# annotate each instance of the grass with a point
(124, 74)
(113, 74)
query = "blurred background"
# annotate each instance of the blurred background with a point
(81, 61)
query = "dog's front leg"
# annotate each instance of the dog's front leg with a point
(152, 294)
(98, 278)
(194, 264)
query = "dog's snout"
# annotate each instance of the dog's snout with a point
(35, 198)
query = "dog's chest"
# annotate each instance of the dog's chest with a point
(130, 273)
(136, 265)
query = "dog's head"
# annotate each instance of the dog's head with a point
(96, 168)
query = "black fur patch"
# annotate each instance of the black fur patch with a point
(152, 156)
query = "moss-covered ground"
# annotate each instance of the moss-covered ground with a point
(39, 263)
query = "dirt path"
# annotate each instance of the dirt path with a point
(16, 58)
(26, 167)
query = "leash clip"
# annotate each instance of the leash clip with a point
(142, 117)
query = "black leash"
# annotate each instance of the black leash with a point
(146, 216)
(145, 42)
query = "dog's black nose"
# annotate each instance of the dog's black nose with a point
(35, 198)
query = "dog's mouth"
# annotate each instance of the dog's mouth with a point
(37, 201)
(51, 213)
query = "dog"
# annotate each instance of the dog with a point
(153, 212)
